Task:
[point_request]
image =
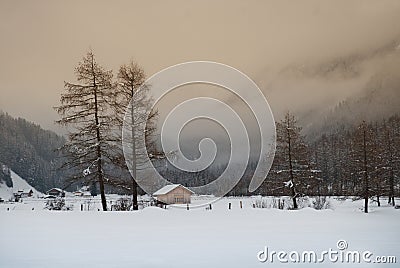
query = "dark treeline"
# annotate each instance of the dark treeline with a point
(352, 160)
(32, 153)
(29, 151)
(362, 160)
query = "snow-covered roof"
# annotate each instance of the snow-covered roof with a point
(24, 191)
(55, 189)
(168, 188)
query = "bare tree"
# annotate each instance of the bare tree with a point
(362, 155)
(363, 160)
(131, 100)
(85, 110)
(292, 158)
(392, 156)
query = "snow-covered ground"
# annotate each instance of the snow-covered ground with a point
(154, 237)
(31, 236)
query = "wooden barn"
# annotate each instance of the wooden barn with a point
(174, 194)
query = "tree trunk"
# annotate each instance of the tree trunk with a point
(391, 197)
(294, 198)
(98, 138)
(100, 167)
(134, 195)
(366, 193)
(291, 168)
(133, 172)
(391, 181)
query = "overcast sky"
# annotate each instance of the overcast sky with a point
(42, 42)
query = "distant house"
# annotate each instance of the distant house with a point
(87, 194)
(78, 193)
(174, 194)
(84, 191)
(56, 192)
(23, 193)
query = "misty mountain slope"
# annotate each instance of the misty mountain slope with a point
(345, 66)
(30, 151)
(379, 100)
(339, 91)
(313, 90)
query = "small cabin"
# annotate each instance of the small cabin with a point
(174, 194)
(23, 193)
(56, 192)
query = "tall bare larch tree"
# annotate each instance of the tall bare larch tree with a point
(85, 109)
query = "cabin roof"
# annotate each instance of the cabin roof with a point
(55, 189)
(168, 188)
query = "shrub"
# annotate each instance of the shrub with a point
(321, 202)
(57, 204)
(122, 204)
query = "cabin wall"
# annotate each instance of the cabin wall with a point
(177, 196)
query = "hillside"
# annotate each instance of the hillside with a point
(379, 100)
(18, 183)
(29, 150)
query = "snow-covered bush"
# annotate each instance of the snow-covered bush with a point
(57, 204)
(303, 202)
(321, 202)
(286, 203)
(261, 203)
(122, 204)
(274, 202)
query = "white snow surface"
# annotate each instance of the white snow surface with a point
(155, 237)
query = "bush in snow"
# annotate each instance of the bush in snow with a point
(279, 203)
(122, 204)
(261, 203)
(286, 203)
(321, 202)
(303, 202)
(57, 204)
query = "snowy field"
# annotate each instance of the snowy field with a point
(155, 237)
(32, 236)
